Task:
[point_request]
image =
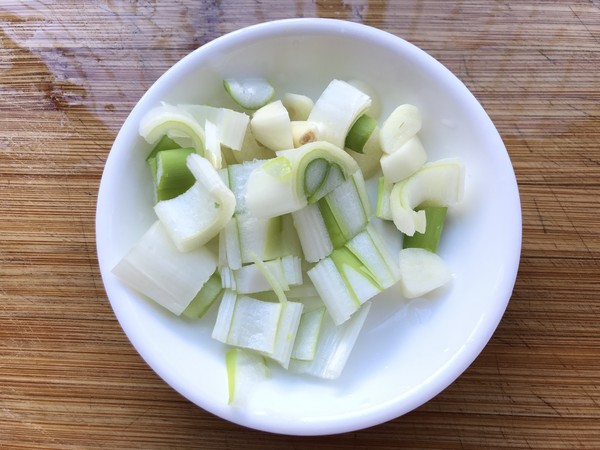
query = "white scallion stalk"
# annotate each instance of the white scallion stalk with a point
(375, 108)
(439, 183)
(157, 269)
(272, 189)
(272, 280)
(312, 232)
(237, 180)
(196, 216)
(231, 125)
(228, 280)
(245, 370)
(369, 160)
(340, 300)
(304, 291)
(338, 107)
(350, 208)
(265, 327)
(279, 186)
(168, 119)
(250, 279)
(298, 106)
(224, 316)
(260, 237)
(368, 247)
(334, 347)
(271, 126)
(421, 272)
(230, 237)
(252, 149)
(384, 190)
(249, 93)
(305, 345)
(212, 150)
(405, 161)
(401, 125)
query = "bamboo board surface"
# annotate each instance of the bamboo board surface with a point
(70, 72)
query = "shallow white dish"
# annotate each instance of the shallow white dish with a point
(409, 351)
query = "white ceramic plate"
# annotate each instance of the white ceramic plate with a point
(409, 351)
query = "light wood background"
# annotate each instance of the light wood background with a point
(70, 72)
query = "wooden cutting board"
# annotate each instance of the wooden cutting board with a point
(71, 71)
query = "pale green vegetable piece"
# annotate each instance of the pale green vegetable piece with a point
(231, 125)
(384, 191)
(196, 216)
(170, 120)
(305, 345)
(439, 183)
(279, 186)
(334, 346)
(245, 369)
(249, 93)
(157, 269)
(369, 160)
(265, 327)
(336, 109)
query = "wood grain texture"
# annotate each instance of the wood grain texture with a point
(71, 71)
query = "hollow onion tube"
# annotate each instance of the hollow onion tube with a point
(435, 217)
(250, 279)
(333, 220)
(249, 93)
(353, 274)
(305, 345)
(157, 269)
(333, 348)
(168, 119)
(336, 109)
(439, 183)
(296, 177)
(360, 132)
(265, 327)
(231, 125)
(205, 298)
(245, 369)
(383, 209)
(196, 216)
(172, 177)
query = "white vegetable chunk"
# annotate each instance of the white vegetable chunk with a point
(338, 107)
(421, 272)
(157, 269)
(245, 369)
(439, 183)
(196, 216)
(170, 120)
(268, 328)
(334, 347)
